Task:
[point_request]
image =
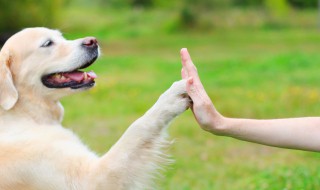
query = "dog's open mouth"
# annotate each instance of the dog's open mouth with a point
(73, 79)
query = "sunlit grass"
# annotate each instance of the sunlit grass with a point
(247, 73)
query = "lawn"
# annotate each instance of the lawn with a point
(248, 72)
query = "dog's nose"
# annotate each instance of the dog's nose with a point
(90, 42)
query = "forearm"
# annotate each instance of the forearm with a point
(295, 133)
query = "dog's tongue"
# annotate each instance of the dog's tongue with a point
(91, 74)
(79, 76)
(76, 75)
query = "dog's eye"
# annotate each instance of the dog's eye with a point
(48, 43)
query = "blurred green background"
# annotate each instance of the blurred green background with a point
(257, 59)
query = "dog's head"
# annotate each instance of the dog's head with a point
(40, 61)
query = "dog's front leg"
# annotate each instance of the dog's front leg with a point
(132, 162)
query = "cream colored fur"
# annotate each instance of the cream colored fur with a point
(37, 153)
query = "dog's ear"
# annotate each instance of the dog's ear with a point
(8, 92)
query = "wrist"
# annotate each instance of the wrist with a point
(218, 125)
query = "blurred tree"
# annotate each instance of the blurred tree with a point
(142, 3)
(277, 8)
(113, 3)
(304, 3)
(18, 14)
(294, 3)
(188, 17)
(248, 2)
(191, 11)
(124, 3)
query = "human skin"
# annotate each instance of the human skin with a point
(293, 133)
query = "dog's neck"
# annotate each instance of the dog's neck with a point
(29, 107)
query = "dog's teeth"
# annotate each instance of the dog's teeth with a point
(85, 76)
(63, 77)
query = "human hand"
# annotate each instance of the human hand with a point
(203, 109)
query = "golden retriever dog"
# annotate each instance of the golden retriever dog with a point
(38, 67)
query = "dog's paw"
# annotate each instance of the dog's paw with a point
(175, 100)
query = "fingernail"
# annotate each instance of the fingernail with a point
(183, 49)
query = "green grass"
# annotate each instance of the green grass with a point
(251, 73)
